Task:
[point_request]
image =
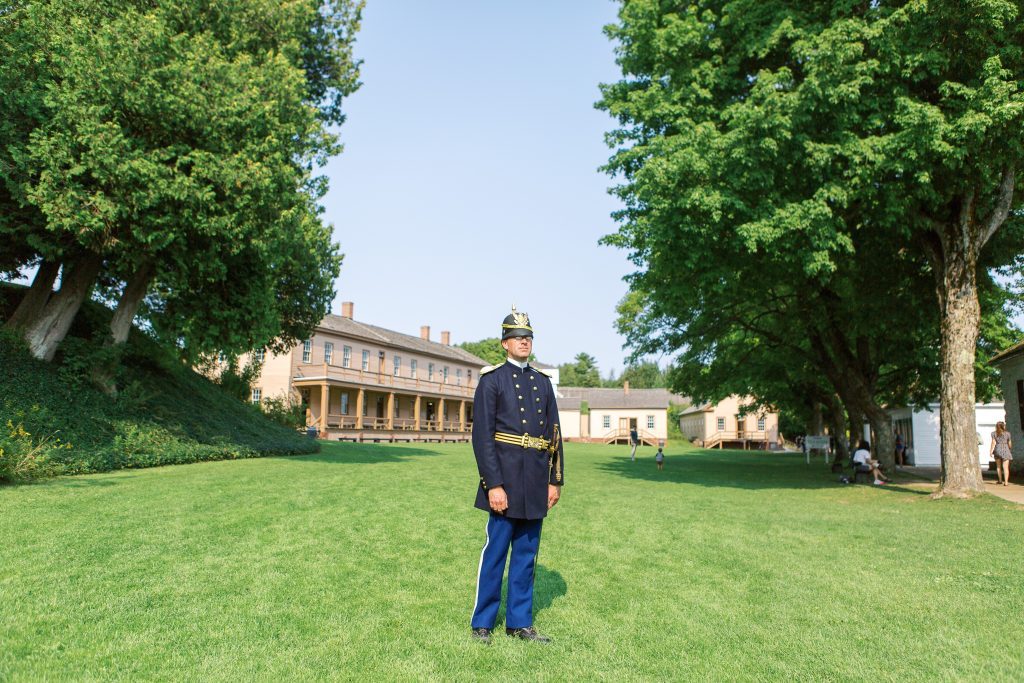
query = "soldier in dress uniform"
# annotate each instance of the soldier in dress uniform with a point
(518, 451)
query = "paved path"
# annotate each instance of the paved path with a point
(1013, 493)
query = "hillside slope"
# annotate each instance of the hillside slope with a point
(164, 414)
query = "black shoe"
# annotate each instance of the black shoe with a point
(528, 633)
(483, 635)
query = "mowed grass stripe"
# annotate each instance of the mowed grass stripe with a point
(360, 563)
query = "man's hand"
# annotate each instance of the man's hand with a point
(554, 493)
(498, 500)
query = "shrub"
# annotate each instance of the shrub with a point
(285, 410)
(22, 457)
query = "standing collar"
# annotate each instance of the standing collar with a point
(516, 363)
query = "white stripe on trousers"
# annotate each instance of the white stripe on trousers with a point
(480, 566)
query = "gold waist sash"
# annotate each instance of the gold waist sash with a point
(524, 440)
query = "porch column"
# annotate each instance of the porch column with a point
(391, 410)
(360, 398)
(325, 396)
(462, 416)
(440, 415)
(416, 414)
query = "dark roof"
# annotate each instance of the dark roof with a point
(1008, 353)
(700, 408)
(569, 402)
(617, 398)
(352, 328)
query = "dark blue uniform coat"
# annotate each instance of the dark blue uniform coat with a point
(514, 400)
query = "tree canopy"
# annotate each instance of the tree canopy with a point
(798, 180)
(166, 153)
(582, 372)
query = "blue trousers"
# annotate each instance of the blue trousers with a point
(523, 536)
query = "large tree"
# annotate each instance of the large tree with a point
(582, 372)
(785, 153)
(167, 150)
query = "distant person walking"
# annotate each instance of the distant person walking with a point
(862, 457)
(660, 458)
(1001, 449)
(634, 440)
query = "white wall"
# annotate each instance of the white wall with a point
(598, 430)
(569, 423)
(927, 448)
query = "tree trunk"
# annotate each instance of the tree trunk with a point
(35, 298)
(839, 431)
(134, 292)
(817, 422)
(884, 446)
(961, 315)
(48, 329)
(856, 426)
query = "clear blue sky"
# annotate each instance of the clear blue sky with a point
(470, 179)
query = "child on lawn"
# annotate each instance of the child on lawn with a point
(660, 459)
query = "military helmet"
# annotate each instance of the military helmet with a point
(516, 324)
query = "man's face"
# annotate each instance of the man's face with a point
(518, 348)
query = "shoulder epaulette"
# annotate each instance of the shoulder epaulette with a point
(489, 368)
(545, 372)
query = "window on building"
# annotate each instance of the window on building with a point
(721, 424)
(307, 351)
(469, 376)
(606, 421)
(260, 355)
(458, 377)
(398, 365)
(445, 375)
(257, 394)
(344, 403)
(412, 368)
(328, 352)
(650, 422)
(430, 372)
(346, 356)
(366, 360)
(760, 423)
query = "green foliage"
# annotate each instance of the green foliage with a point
(674, 411)
(165, 414)
(582, 372)
(22, 456)
(784, 168)
(182, 138)
(584, 408)
(643, 375)
(489, 349)
(285, 410)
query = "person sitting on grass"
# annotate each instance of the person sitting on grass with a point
(862, 459)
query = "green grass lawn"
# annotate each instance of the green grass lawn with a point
(359, 563)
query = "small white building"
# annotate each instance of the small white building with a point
(608, 415)
(920, 430)
(1011, 374)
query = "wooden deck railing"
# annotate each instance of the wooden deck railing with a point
(383, 381)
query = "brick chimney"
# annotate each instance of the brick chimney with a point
(425, 332)
(346, 309)
(446, 338)
(625, 387)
